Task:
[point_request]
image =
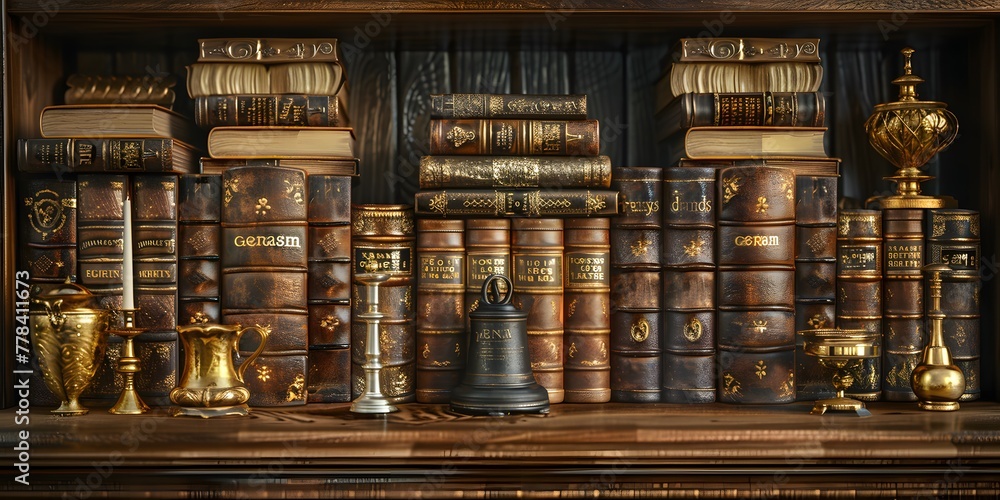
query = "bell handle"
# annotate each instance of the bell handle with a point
(493, 287)
(264, 332)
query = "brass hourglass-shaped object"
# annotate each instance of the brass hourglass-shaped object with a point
(937, 382)
(840, 350)
(372, 401)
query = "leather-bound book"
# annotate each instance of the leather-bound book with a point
(859, 289)
(756, 285)
(787, 109)
(537, 253)
(100, 155)
(815, 277)
(903, 331)
(487, 252)
(329, 215)
(689, 208)
(285, 110)
(154, 255)
(636, 369)
(199, 208)
(440, 322)
(514, 172)
(565, 107)
(587, 316)
(569, 202)
(514, 137)
(382, 240)
(953, 238)
(264, 276)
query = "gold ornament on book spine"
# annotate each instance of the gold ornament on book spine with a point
(382, 220)
(908, 133)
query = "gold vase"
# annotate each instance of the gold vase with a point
(937, 382)
(908, 133)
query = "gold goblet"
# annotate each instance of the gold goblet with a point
(840, 350)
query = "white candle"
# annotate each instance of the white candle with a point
(128, 294)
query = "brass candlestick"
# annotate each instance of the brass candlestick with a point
(372, 401)
(936, 381)
(840, 350)
(908, 133)
(129, 402)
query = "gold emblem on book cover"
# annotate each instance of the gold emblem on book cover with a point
(297, 389)
(762, 205)
(788, 186)
(899, 375)
(787, 388)
(730, 188)
(262, 207)
(595, 203)
(264, 373)
(329, 322)
(571, 352)
(459, 136)
(571, 309)
(818, 321)
(295, 189)
(438, 203)
(47, 211)
(759, 326)
(230, 186)
(869, 219)
(730, 386)
(640, 246)
(760, 369)
(693, 330)
(694, 247)
(640, 331)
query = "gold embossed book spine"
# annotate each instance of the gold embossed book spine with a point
(264, 276)
(689, 355)
(953, 238)
(487, 252)
(859, 290)
(155, 268)
(903, 329)
(587, 316)
(440, 315)
(756, 285)
(282, 110)
(514, 172)
(100, 155)
(815, 278)
(569, 202)
(199, 249)
(636, 369)
(329, 295)
(565, 107)
(537, 255)
(383, 241)
(514, 137)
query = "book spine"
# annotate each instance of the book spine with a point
(514, 137)
(329, 289)
(564, 107)
(587, 297)
(487, 252)
(756, 285)
(264, 268)
(815, 278)
(784, 109)
(440, 322)
(268, 51)
(287, 110)
(902, 301)
(47, 228)
(636, 368)
(953, 238)
(688, 259)
(517, 203)
(100, 231)
(748, 49)
(382, 240)
(97, 155)
(514, 172)
(154, 230)
(199, 248)
(537, 255)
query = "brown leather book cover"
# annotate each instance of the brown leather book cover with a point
(105, 155)
(514, 137)
(783, 109)
(329, 324)
(329, 200)
(487, 252)
(537, 255)
(440, 322)
(516, 202)
(587, 301)
(329, 375)
(565, 107)
(512, 172)
(47, 228)
(276, 379)
(859, 289)
(297, 110)
(756, 285)
(904, 333)
(199, 205)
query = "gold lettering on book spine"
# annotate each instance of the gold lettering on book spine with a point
(869, 219)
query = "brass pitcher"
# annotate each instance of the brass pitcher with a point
(211, 385)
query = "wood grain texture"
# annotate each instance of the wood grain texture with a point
(372, 108)
(540, 68)
(601, 75)
(643, 68)
(420, 75)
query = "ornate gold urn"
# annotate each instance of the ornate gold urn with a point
(908, 133)
(840, 350)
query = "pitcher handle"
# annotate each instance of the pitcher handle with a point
(264, 332)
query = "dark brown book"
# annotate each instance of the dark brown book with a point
(111, 155)
(440, 322)
(264, 276)
(573, 202)
(467, 172)
(859, 289)
(953, 238)
(565, 107)
(587, 316)
(816, 167)
(815, 277)
(312, 166)
(537, 274)
(328, 212)
(903, 330)
(268, 110)
(689, 355)
(782, 109)
(514, 137)
(199, 205)
(756, 285)
(382, 240)
(487, 252)
(636, 368)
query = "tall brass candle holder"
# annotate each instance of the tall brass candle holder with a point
(840, 350)
(129, 402)
(937, 382)
(372, 401)
(908, 133)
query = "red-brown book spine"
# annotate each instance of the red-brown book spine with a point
(903, 330)
(587, 300)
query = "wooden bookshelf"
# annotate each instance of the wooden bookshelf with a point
(614, 51)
